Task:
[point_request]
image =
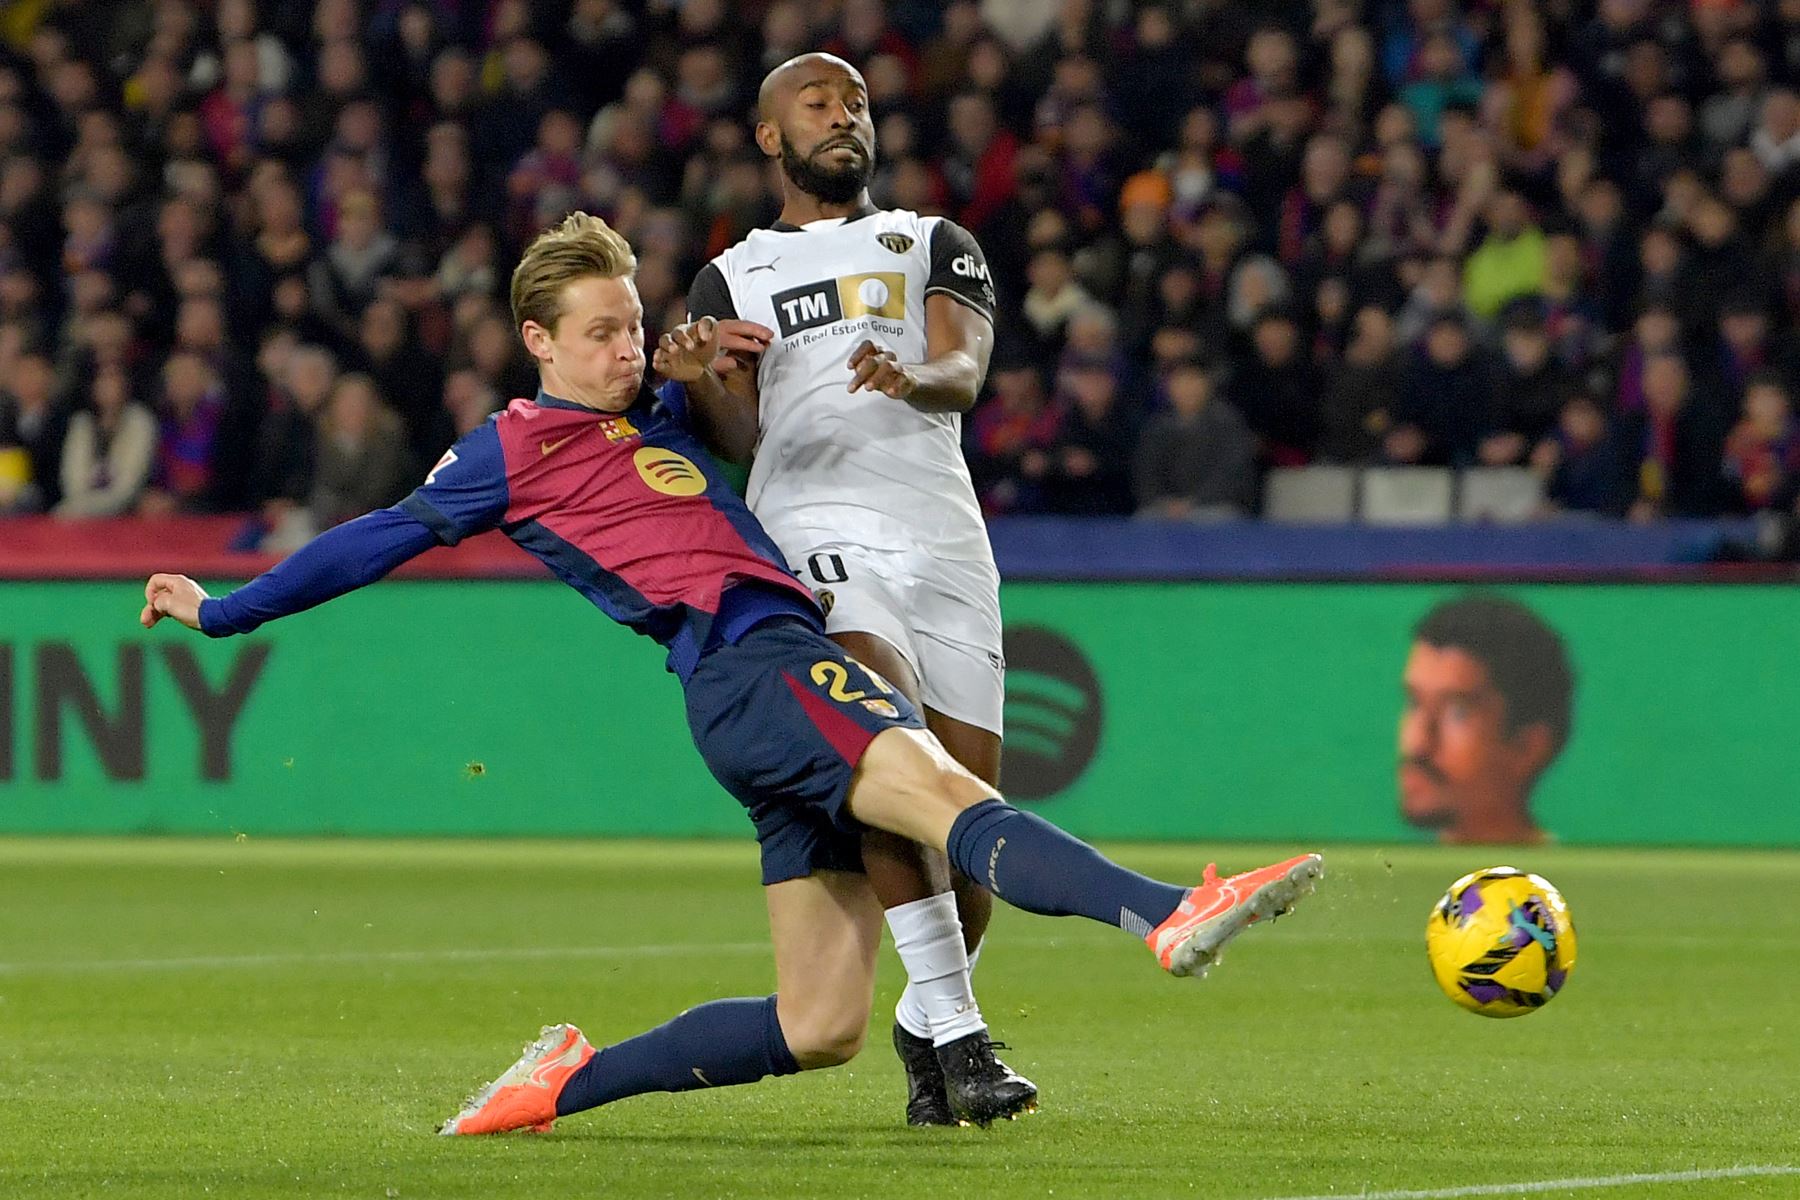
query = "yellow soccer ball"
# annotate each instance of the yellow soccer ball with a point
(1501, 942)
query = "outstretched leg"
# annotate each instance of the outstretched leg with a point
(908, 784)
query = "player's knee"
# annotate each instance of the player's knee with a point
(933, 772)
(829, 1042)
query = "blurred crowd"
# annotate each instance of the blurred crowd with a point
(253, 257)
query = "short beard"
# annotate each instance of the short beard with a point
(828, 185)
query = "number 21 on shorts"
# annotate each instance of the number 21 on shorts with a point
(834, 677)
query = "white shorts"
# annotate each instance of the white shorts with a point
(942, 615)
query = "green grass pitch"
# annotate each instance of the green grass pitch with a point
(291, 1019)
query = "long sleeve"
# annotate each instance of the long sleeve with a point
(339, 560)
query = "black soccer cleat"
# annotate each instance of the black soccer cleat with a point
(979, 1087)
(926, 1103)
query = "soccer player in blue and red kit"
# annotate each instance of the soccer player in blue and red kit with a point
(600, 478)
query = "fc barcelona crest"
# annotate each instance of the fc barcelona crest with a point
(899, 243)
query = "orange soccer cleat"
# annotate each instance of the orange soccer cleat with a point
(525, 1097)
(1195, 935)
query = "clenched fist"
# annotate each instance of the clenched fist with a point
(174, 596)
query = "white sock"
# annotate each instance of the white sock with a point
(938, 1002)
(910, 1011)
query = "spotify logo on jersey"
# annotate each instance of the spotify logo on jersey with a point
(1053, 713)
(667, 472)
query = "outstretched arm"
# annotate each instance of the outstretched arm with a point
(339, 560)
(464, 494)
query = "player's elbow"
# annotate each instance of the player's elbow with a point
(952, 396)
(960, 383)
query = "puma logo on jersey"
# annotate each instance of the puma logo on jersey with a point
(768, 266)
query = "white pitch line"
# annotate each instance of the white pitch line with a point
(1557, 1185)
(501, 953)
(376, 956)
(450, 954)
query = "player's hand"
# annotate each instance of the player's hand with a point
(881, 371)
(686, 352)
(174, 596)
(741, 343)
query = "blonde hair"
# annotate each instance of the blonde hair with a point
(579, 247)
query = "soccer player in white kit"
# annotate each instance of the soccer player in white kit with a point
(860, 336)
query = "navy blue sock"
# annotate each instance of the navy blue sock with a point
(1033, 865)
(712, 1045)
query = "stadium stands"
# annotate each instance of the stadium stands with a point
(1559, 241)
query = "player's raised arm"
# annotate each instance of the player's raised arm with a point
(465, 493)
(694, 354)
(722, 392)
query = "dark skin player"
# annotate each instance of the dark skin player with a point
(815, 120)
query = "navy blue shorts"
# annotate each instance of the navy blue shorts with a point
(782, 718)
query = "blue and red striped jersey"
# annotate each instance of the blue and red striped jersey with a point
(624, 507)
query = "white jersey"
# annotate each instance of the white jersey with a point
(862, 469)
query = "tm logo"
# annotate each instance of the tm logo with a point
(1053, 713)
(811, 305)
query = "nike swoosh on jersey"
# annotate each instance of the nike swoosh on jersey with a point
(544, 448)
